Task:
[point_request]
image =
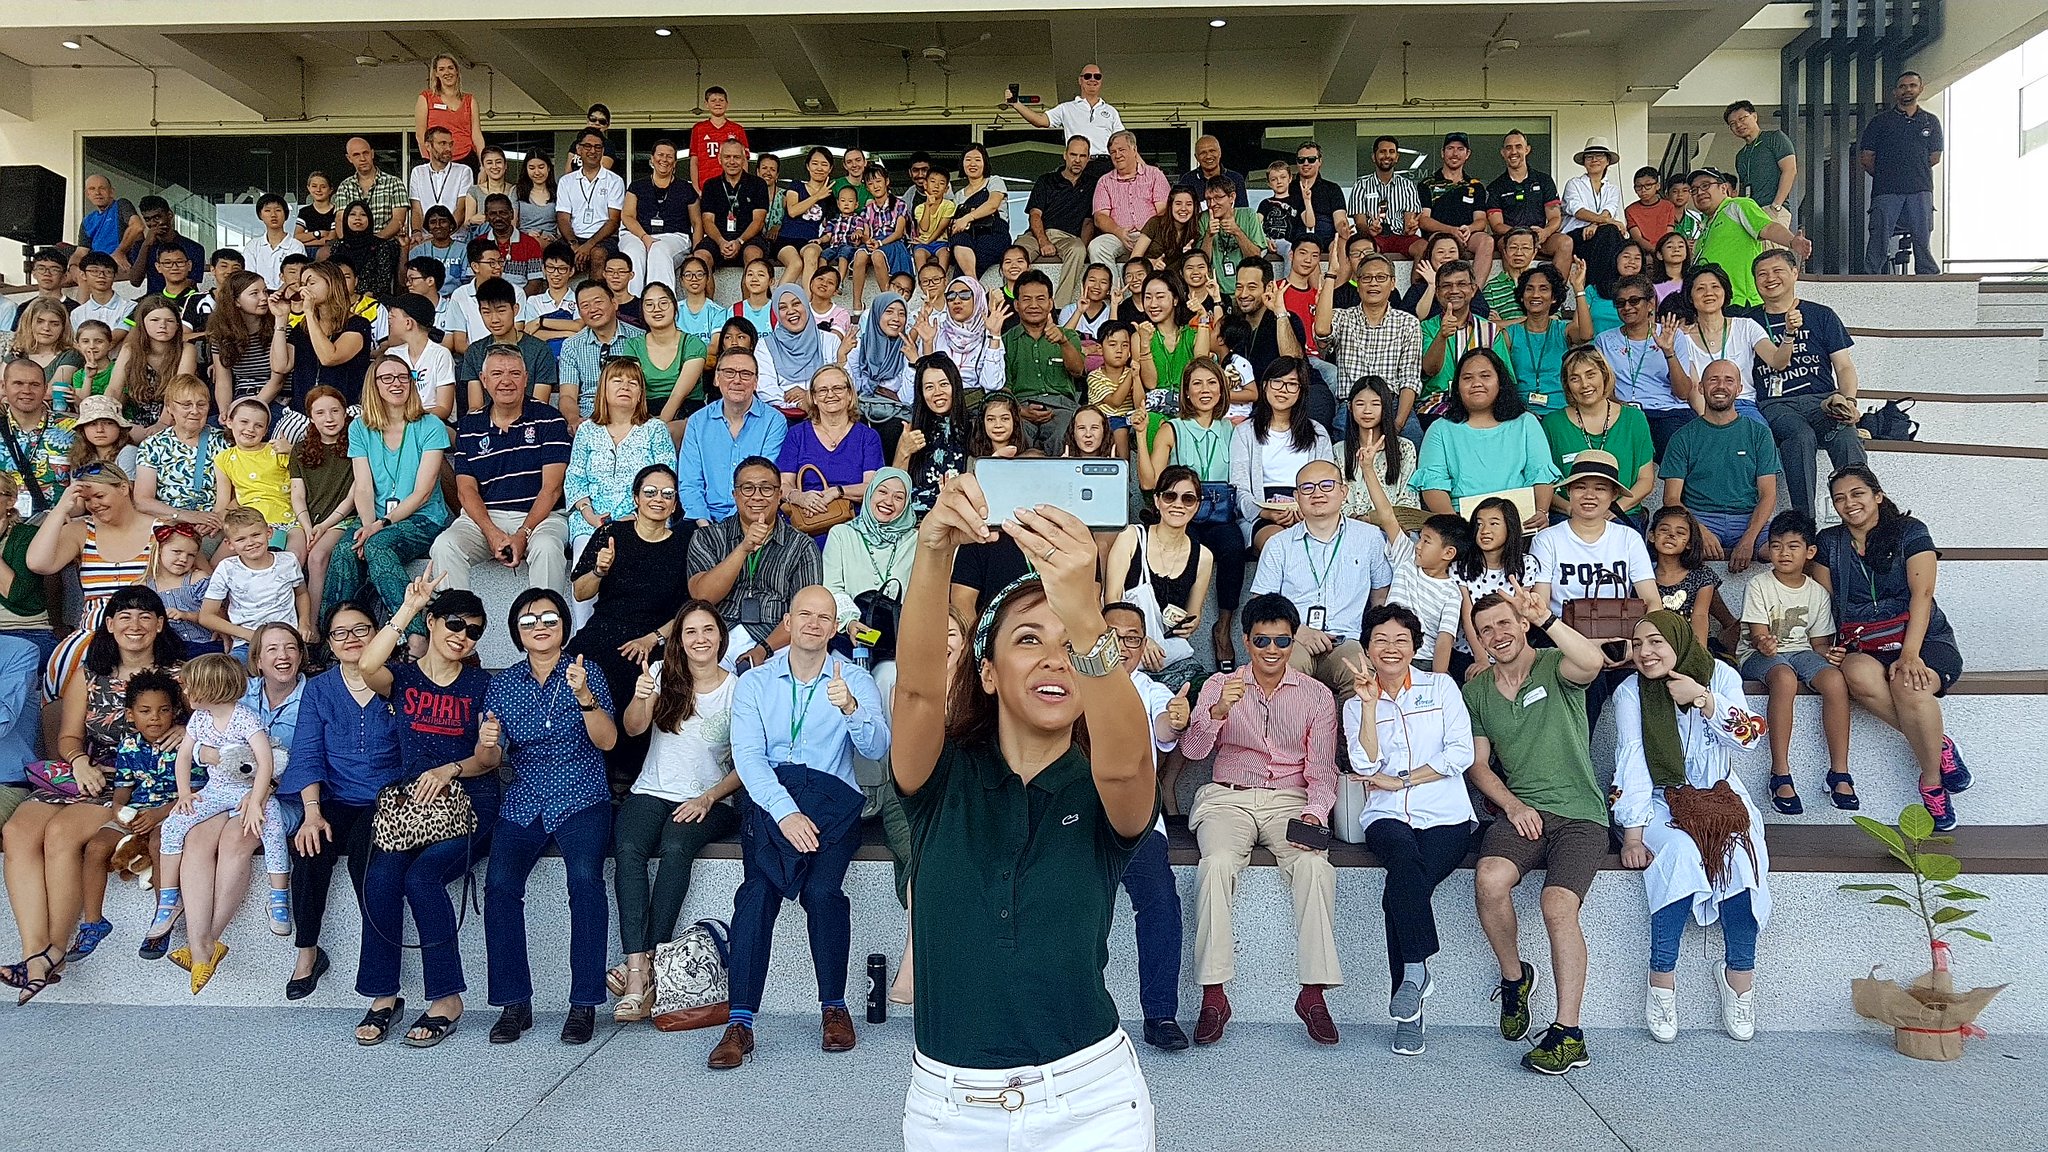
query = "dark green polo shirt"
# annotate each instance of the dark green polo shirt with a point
(1014, 886)
(1034, 367)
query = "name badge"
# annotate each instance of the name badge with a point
(654, 223)
(1539, 399)
(1535, 696)
(1316, 618)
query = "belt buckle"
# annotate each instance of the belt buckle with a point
(1011, 1098)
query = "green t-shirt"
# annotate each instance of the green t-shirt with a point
(1628, 440)
(1499, 294)
(661, 382)
(1756, 166)
(1732, 240)
(1223, 264)
(1541, 739)
(1720, 463)
(26, 599)
(1035, 366)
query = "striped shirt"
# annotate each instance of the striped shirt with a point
(787, 562)
(1439, 604)
(1391, 349)
(1286, 740)
(100, 576)
(1396, 198)
(507, 463)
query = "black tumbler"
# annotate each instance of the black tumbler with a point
(878, 988)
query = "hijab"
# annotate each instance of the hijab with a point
(799, 354)
(884, 535)
(1662, 746)
(881, 355)
(964, 342)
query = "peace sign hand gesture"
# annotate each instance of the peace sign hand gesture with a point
(1528, 603)
(1363, 684)
(420, 590)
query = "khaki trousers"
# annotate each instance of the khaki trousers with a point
(1227, 824)
(1330, 667)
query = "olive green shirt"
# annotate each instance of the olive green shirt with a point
(1541, 738)
(1013, 886)
(1034, 366)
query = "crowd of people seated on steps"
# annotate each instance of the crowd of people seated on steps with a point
(1478, 511)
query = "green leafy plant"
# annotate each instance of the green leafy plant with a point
(1936, 898)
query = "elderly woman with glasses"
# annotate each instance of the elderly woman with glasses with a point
(632, 575)
(556, 724)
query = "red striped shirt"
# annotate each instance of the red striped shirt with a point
(1286, 740)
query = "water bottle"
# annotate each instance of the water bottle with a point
(860, 655)
(878, 988)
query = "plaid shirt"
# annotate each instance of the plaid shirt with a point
(582, 362)
(1396, 198)
(1392, 350)
(387, 195)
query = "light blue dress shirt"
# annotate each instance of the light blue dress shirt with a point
(764, 711)
(711, 453)
(20, 667)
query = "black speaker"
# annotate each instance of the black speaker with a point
(31, 204)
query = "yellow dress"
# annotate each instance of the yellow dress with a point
(262, 480)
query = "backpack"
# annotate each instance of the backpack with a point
(1890, 422)
(691, 984)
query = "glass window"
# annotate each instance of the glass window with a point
(1250, 145)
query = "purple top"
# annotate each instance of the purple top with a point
(858, 454)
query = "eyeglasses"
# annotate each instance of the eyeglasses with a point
(693, 274)
(1376, 278)
(1283, 384)
(358, 632)
(1180, 498)
(737, 374)
(540, 620)
(757, 490)
(653, 493)
(1130, 639)
(959, 294)
(393, 377)
(1312, 487)
(1630, 301)
(1091, 75)
(1283, 643)
(474, 629)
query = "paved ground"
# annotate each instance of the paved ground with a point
(292, 1079)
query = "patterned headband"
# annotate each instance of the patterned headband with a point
(988, 617)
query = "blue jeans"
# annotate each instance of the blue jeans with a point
(583, 839)
(44, 639)
(775, 871)
(1805, 663)
(421, 878)
(1728, 527)
(1912, 211)
(1802, 428)
(1156, 902)
(1738, 933)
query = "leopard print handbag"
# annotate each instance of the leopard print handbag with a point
(401, 824)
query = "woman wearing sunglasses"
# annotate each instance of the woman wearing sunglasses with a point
(555, 724)
(631, 573)
(448, 742)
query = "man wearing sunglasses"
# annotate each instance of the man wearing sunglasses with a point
(510, 460)
(1332, 570)
(1085, 115)
(1317, 203)
(1274, 732)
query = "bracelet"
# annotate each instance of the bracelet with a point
(1547, 625)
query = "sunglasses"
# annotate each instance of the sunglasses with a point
(961, 294)
(540, 620)
(1091, 75)
(1180, 498)
(652, 493)
(358, 632)
(1283, 643)
(1630, 301)
(474, 629)
(1314, 486)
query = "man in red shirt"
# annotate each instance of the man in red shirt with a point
(709, 135)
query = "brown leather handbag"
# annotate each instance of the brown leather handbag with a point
(1605, 618)
(837, 512)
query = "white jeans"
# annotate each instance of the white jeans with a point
(654, 263)
(462, 544)
(1092, 1101)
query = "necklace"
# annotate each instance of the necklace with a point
(1593, 439)
(546, 704)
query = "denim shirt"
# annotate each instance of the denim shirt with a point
(556, 770)
(351, 750)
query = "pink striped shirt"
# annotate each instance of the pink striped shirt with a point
(1286, 740)
(1133, 201)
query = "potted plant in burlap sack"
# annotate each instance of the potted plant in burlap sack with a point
(1929, 1018)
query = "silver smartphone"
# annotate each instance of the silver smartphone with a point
(1097, 491)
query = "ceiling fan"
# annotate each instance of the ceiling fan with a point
(939, 54)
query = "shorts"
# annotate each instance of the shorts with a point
(1570, 852)
(1394, 244)
(933, 248)
(834, 253)
(1945, 660)
(1805, 663)
(1118, 423)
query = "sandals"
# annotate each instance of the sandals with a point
(89, 938)
(380, 1019)
(1786, 805)
(202, 970)
(633, 1006)
(615, 980)
(437, 1029)
(1846, 801)
(33, 987)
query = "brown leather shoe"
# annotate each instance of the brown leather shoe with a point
(733, 1048)
(1316, 1015)
(1209, 1027)
(838, 1031)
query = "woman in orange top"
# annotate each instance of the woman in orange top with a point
(445, 105)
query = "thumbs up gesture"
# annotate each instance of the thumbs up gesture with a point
(837, 692)
(490, 733)
(606, 555)
(1177, 710)
(579, 680)
(648, 683)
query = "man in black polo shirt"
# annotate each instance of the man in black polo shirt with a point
(1276, 332)
(1063, 218)
(1900, 149)
(1522, 197)
(733, 211)
(509, 462)
(1318, 203)
(1208, 166)
(1455, 202)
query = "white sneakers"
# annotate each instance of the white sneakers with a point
(1661, 1012)
(1738, 1011)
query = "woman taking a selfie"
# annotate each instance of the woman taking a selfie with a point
(993, 1069)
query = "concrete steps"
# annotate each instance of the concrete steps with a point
(1924, 361)
(1970, 496)
(2016, 420)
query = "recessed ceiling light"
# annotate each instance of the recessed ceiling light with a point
(664, 32)
(73, 45)
(1218, 23)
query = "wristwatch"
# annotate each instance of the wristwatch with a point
(1105, 655)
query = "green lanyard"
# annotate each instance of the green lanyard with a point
(752, 564)
(1635, 363)
(798, 712)
(1330, 564)
(1205, 442)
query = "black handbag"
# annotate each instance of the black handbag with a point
(1890, 421)
(881, 611)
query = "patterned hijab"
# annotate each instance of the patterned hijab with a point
(963, 342)
(798, 354)
(881, 355)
